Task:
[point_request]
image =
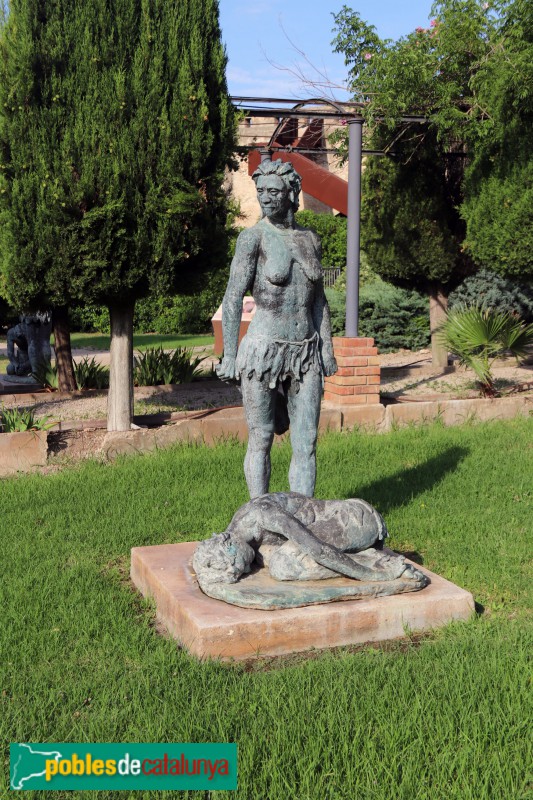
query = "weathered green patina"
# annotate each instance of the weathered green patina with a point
(287, 549)
(288, 348)
(295, 549)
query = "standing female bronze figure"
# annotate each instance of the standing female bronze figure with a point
(287, 350)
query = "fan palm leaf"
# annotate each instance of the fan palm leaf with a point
(477, 336)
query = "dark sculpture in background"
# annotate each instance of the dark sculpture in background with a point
(28, 344)
(278, 550)
(288, 349)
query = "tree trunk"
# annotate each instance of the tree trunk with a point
(438, 305)
(65, 367)
(120, 398)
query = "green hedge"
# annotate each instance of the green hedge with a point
(178, 314)
(332, 232)
(395, 318)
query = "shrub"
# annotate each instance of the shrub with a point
(89, 319)
(366, 275)
(332, 232)
(91, 375)
(180, 314)
(395, 318)
(14, 420)
(489, 290)
(189, 313)
(337, 310)
(155, 367)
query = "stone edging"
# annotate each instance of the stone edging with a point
(227, 423)
(23, 451)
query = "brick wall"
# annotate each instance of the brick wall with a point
(358, 378)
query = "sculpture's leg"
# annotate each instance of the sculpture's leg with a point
(259, 407)
(304, 413)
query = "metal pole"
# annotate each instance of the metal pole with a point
(355, 150)
(265, 153)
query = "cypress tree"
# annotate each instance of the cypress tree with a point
(411, 230)
(115, 130)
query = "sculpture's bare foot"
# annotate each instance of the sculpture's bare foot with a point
(416, 577)
(390, 567)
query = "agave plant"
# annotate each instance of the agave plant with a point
(46, 374)
(15, 420)
(155, 367)
(478, 336)
(90, 374)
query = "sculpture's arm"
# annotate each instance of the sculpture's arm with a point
(322, 320)
(271, 517)
(242, 273)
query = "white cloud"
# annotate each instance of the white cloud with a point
(272, 82)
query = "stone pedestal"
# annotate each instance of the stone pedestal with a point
(358, 377)
(210, 628)
(17, 384)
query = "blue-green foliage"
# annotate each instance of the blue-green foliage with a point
(395, 318)
(490, 290)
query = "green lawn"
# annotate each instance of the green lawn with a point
(444, 718)
(101, 341)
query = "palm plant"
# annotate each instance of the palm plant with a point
(46, 373)
(478, 336)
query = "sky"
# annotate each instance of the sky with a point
(273, 44)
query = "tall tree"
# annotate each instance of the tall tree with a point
(498, 206)
(115, 130)
(412, 230)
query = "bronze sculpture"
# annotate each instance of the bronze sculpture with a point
(288, 348)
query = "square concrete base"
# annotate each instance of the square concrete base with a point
(211, 628)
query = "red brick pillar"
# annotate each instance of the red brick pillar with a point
(358, 377)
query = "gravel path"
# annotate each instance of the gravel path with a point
(420, 380)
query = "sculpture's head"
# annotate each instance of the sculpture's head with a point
(278, 188)
(222, 560)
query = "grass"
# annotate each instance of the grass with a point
(141, 341)
(147, 407)
(442, 718)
